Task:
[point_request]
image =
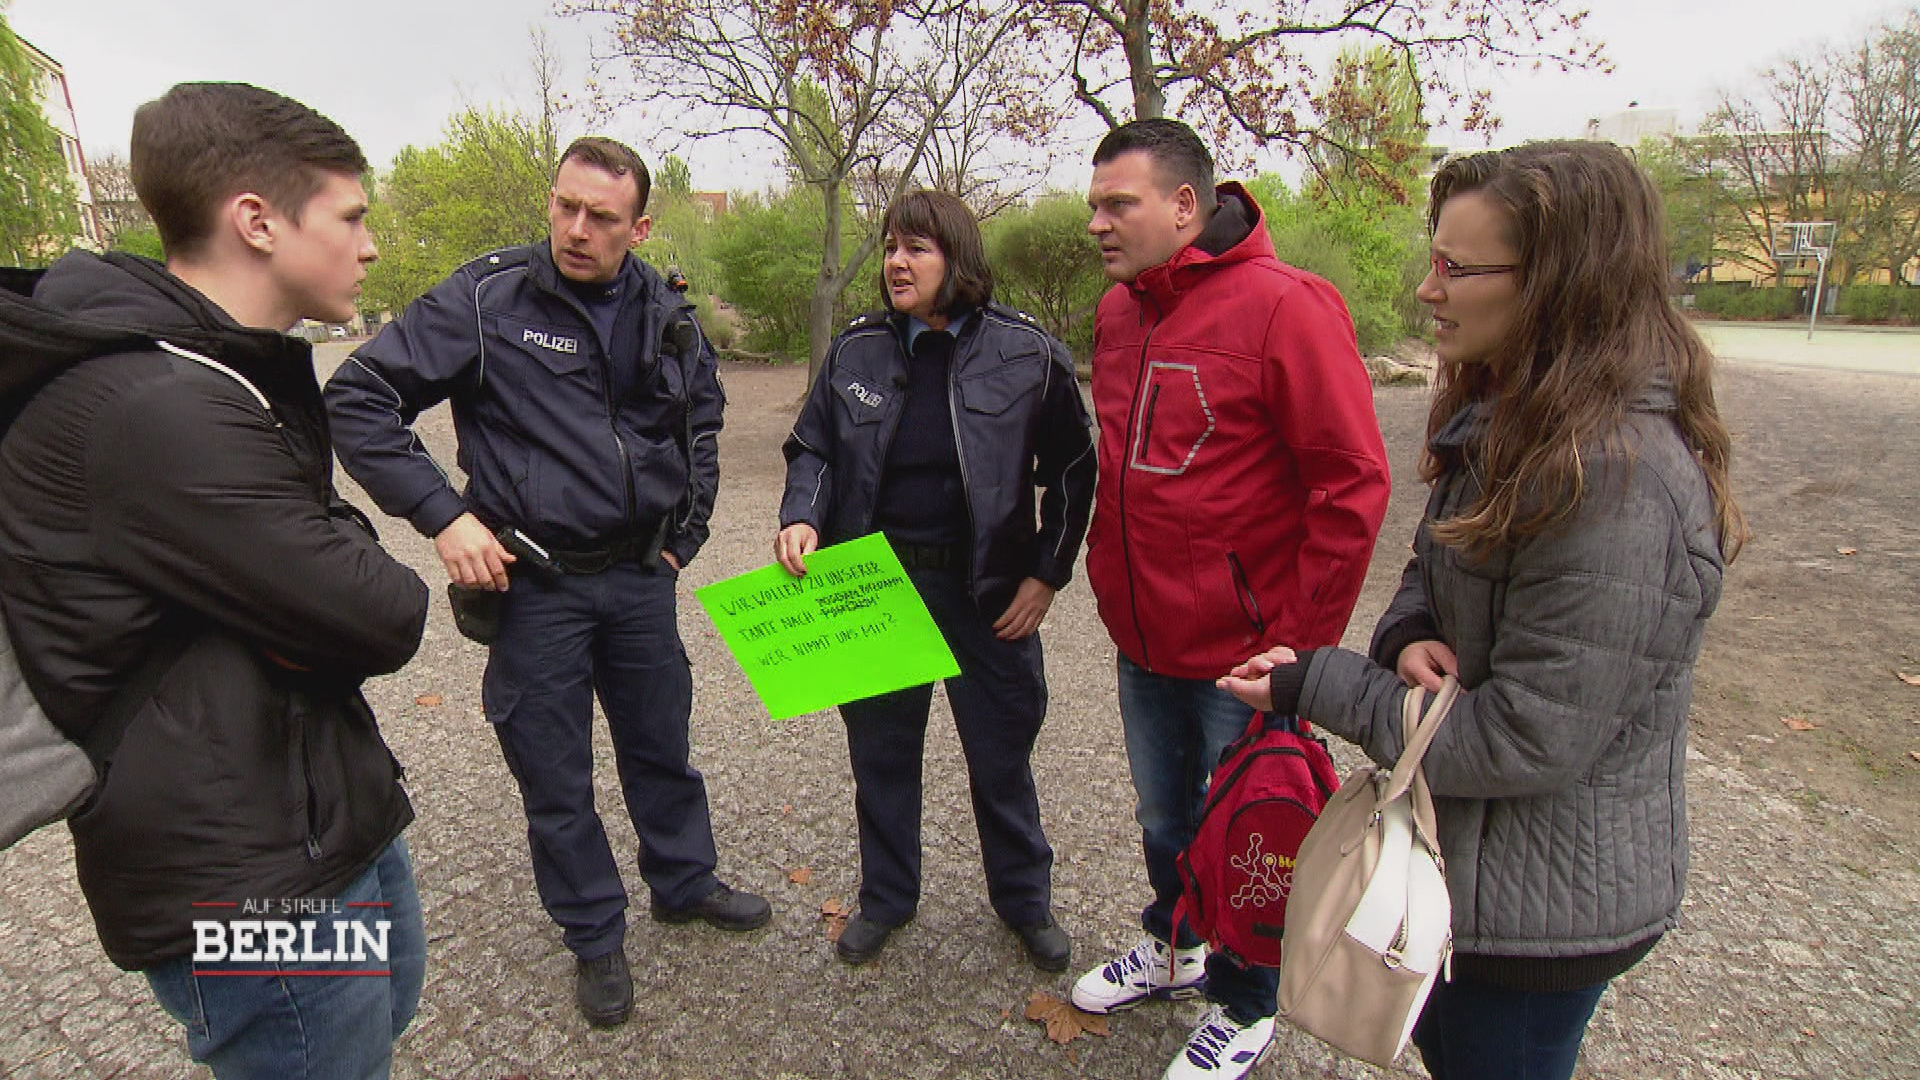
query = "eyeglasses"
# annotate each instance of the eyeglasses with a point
(1447, 270)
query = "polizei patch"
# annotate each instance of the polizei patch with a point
(553, 342)
(867, 397)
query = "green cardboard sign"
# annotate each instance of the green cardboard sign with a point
(851, 628)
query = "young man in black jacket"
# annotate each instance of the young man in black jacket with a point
(168, 513)
(587, 406)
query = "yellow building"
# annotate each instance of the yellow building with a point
(57, 104)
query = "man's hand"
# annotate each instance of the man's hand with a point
(1024, 615)
(472, 555)
(667, 557)
(793, 545)
(1427, 663)
(1251, 681)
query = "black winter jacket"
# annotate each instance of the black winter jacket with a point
(150, 494)
(579, 441)
(1018, 420)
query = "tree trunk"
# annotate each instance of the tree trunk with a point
(1149, 99)
(826, 287)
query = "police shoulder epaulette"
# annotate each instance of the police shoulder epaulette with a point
(871, 318)
(1002, 309)
(498, 260)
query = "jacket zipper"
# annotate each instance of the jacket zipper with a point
(1218, 787)
(1146, 425)
(888, 428)
(606, 395)
(960, 453)
(306, 773)
(1243, 591)
(1126, 541)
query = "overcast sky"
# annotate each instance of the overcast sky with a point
(392, 71)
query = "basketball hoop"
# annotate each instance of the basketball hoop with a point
(1794, 241)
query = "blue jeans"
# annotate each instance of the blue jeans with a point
(1472, 1030)
(311, 1025)
(1176, 731)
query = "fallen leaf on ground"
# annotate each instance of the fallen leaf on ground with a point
(1910, 680)
(1064, 1022)
(430, 700)
(836, 914)
(787, 809)
(1848, 551)
(1798, 723)
(802, 876)
(1914, 754)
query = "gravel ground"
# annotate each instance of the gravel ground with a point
(1793, 961)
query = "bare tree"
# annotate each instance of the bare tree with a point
(114, 200)
(837, 85)
(1778, 155)
(983, 142)
(1877, 106)
(1248, 73)
(553, 102)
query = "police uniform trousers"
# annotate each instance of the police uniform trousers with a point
(564, 640)
(999, 700)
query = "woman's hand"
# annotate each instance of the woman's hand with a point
(1426, 663)
(1024, 615)
(793, 545)
(1250, 682)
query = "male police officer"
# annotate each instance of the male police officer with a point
(587, 406)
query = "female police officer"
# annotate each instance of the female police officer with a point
(933, 423)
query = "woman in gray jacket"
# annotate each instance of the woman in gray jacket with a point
(1569, 557)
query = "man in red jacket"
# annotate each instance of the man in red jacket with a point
(1242, 482)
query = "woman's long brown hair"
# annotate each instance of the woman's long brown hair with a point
(1595, 328)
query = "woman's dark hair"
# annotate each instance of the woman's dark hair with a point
(945, 220)
(1594, 329)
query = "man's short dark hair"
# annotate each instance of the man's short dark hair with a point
(609, 155)
(945, 220)
(1178, 152)
(200, 144)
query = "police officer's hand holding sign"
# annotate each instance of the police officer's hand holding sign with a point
(936, 424)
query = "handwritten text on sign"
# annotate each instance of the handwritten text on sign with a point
(853, 627)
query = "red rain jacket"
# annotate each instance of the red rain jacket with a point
(1242, 474)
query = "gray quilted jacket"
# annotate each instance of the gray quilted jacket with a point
(1559, 777)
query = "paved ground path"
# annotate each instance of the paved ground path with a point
(1796, 961)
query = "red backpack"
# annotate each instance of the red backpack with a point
(1268, 791)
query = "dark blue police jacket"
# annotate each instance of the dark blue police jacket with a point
(1018, 423)
(579, 441)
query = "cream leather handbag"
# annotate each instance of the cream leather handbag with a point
(1369, 923)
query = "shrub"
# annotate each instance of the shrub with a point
(1880, 303)
(1739, 300)
(767, 252)
(1367, 252)
(1047, 264)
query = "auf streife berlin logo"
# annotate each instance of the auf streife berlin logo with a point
(286, 936)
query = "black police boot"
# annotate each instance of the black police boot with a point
(1047, 945)
(723, 908)
(861, 939)
(604, 988)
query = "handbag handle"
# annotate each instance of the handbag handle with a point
(1420, 730)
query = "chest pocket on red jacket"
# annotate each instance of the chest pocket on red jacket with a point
(1172, 419)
